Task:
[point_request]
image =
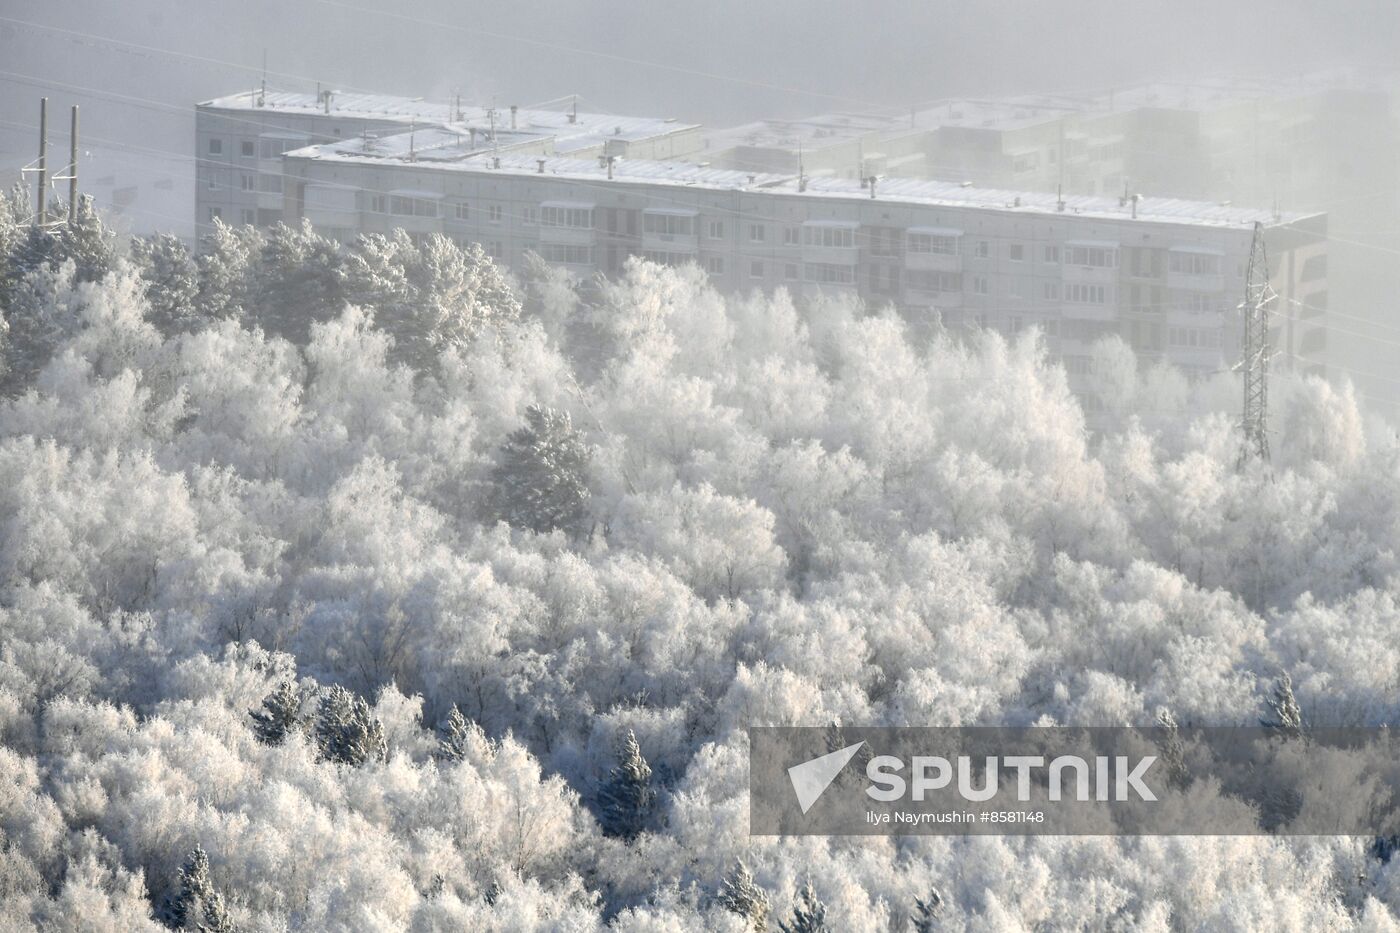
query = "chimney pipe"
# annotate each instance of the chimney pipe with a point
(513, 110)
(540, 163)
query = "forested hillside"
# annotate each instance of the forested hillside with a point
(370, 588)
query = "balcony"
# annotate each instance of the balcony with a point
(670, 231)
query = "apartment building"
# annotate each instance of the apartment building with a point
(240, 140)
(1165, 274)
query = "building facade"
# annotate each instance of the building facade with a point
(1166, 275)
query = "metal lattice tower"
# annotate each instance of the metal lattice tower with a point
(1254, 356)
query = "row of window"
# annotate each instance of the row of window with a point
(262, 149)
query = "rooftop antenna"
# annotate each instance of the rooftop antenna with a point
(1254, 356)
(1060, 198)
(457, 108)
(412, 151)
(801, 170)
(871, 181)
(262, 89)
(573, 110)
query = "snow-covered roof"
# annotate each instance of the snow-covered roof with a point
(571, 131)
(888, 190)
(810, 133)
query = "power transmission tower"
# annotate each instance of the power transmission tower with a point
(1254, 358)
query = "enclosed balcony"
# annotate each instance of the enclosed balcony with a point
(670, 230)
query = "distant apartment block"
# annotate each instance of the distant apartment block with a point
(589, 192)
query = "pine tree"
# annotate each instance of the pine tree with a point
(280, 715)
(172, 281)
(346, 731)
(458, 732)
(540, 479)
(299, 282)
(195, 905)
(739, 894)
(627, 798)
(229, 260)
(1173, 751)
(926, 911)
(87, 241)
(1285, 716)
(808, 914)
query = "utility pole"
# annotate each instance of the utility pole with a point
(41, 209)
(73, 169)
(1254, 358)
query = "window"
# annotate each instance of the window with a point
(830, 237)
(215, 213)
(1052, 254)
(1079, 293)
(664, 258)
(792, 236)
(555, 216)
(790, 271)
(716, 232)
(668, 225)
(376, 204)
(983, 249)
(979, 284)
(926, 280)
(246, 181)
(530, 218)
(830, 273)
(1184, 263)
(1051, 291)
(757, 233)
(249, 216)
(493, 249)
(1314, 268)
(216, 146)
(270, 184)
(756, 269)
(461, 211)
(402, 206)
(932, 243)
(247, 149)
(567, 252)
(272, 148)
(493, 213)
(212, 184)
(714, 264)
(1025, 162)
(1102, 257)
(1016, 252)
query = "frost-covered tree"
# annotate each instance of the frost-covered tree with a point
(926, 913)
(627, 798)
(540, 481)
(740, 894)
(458, 734)
(298, 281)
(346, 731)
(1283, 716)
(195, 904)
(280, 715)
(172, 281)
(808, 914)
